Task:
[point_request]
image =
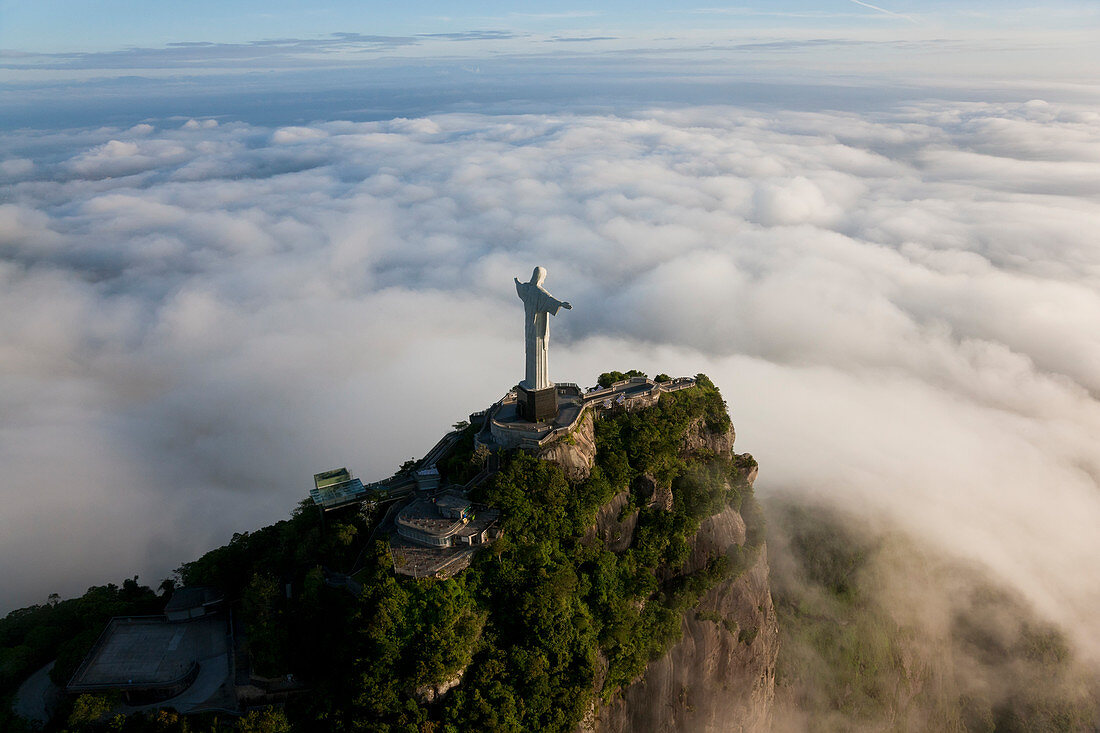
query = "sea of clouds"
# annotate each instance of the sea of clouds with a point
(902, 309)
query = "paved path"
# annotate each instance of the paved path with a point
(213, 672)
(445, 444)
(37, 697)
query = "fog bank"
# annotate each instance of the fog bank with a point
(900, 306)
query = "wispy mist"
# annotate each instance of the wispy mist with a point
(880, 632)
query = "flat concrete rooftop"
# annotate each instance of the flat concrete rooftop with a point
(150, 651)
(410, 558)
(423, 514)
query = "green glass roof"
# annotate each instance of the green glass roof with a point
(327, 479)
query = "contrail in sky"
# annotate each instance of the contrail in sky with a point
(884, 10)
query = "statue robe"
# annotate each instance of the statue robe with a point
(537, 305)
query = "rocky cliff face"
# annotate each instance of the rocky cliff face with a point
(615, 529)
(575, 453)
(698, 439)
(720, 676)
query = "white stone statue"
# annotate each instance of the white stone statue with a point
(537, 304)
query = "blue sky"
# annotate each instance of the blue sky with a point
(73, 62)
(82, 25)
(76, 25)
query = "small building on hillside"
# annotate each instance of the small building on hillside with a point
(189, 603)
(449, 520)
(437, 537)
(454, 506)
(336, 488)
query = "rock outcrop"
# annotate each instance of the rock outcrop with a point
(699, 439)
(611, 526)
(720, 675)
(717, 535)
(431, 693)
(746, 464)
(576, 452)
(653, 492)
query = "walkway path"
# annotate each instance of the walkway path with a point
(37, 697)
(213, 673)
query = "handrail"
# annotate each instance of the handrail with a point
(192, 672)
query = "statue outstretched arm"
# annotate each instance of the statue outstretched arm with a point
(552, 304)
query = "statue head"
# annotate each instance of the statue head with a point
(538, 275)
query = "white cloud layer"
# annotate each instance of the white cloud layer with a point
(903, 310)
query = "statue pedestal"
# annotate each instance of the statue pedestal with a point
(537, 405)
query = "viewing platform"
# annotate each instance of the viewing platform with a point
(505, 428)
(182, 656)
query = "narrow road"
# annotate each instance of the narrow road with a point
(37, 697)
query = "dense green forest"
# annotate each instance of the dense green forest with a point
(539, 625)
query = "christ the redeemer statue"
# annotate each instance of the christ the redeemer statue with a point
(537, 305)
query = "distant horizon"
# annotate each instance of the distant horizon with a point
(70, 41)
(344, 26)
(69, 65)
